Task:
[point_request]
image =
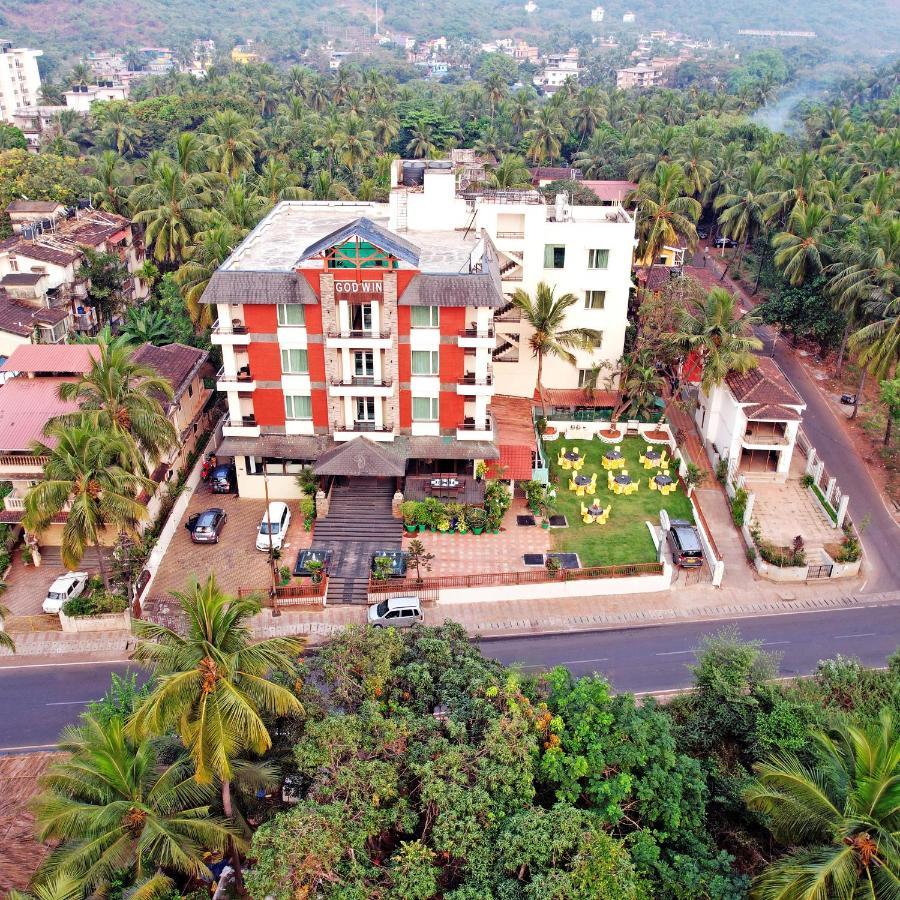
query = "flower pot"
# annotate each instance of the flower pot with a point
(545, 524)
(477, 530)
(410, 528)
(422, 528)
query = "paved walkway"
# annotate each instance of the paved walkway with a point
(786, 510)
(691, 446)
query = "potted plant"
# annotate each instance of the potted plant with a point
(480, 470)
(383, 568)
(316, 569)
(308, 511)
(418, 558)
(27, 556)
(456, 513)
(284, 575)
(462, 524)
(552, 566)
(434, 510)
(409, 510)
(443, 524)
(477, 519)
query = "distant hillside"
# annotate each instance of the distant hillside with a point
(64, 28)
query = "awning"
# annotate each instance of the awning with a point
(571, 397)
(361, 457)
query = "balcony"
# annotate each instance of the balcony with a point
(471, 385)
(473, 338)
(234, 333)
(242, 381)
(373, 431)
(24, 464)
(15, 502)
(765, 434)
(367, 338)
(361, 386)
(476, 430)
(511, 235)
(246, 426)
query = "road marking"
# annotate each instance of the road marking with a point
(695, 650)
(866, 634)
(69, 703)
(61, 665)
(566, 662)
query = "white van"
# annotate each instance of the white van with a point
(63, 589)
(273, 527)
(399, 612)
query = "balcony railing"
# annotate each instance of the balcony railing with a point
(243, 375)
(471, 378)
(469, 424)
(235, 327)
(476, 333)
(16, 503)
(512, 235)
(360, 425)
(359, 333)
(361, 381)
(12, 461)
(243, 422)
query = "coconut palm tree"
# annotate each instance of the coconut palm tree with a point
(277, 182)
(742, 208)
(667, 214)
(545, 314)
(698, 168)
(88, 469)
(107, 184)
(172, 210)
(878, 343)
(116, 807)
(203, 259)
(545, 137)
(119, 396)
(385, 124)
(118, 129)
(230, 142)
(802, 250)
(641, 383)
(357, 144)
(212, 683)
(421, 141)
(841, 812)
(588, 113)
(717, 333)
(59, 887)
(510, 173)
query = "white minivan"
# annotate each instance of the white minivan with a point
(273, 527)
(398, 612)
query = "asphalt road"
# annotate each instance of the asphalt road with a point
(656, 658)
(36, 702)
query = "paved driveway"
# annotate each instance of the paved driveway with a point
(235, 560)
(26, 586)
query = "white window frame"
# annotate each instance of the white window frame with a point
(551, 256)
(589, 296)
(594, 258)
(290, 411)
(286, 359)
(434, 358)
(433, 409)
(282, 315)
(433, 315)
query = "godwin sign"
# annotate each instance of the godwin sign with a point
(359, 287)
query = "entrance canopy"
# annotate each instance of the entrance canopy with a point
(361, 457)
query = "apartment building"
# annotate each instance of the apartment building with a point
(82, 96)
(391, 323)
(644, 75)
(40, 262)
(558, 68)
(20, 80)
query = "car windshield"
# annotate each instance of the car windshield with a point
(382, 608)
(205, 521)
(264, 528)
(54, 595)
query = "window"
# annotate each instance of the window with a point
(598, 259)
(297, 407)
(364, 364)
(598, 343)
(361, 317)
(554, 256)
(424, 316)
(425, 409)
(293, 362)
(365, 409)
(586, 378)
(291, 314)
(594, 299)
(425, 362)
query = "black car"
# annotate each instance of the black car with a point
(206, 527)
(725, 242)
(223, 479)
(397, 559)
(684, 542)
(305, 557)
(702, 232)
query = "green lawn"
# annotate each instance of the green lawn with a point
(624, 538)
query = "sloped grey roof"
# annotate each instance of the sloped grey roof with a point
(368, 231)
(361, 457)
(258, 287)
(477, 289)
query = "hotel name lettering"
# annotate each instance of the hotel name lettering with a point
(367, 288)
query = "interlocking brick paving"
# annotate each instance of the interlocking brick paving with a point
(21, 853)
(235, 560)
(27, 586)
(475, 554)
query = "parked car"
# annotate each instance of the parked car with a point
(684, 542)
(702, 232)
(206, 527)
(398, 562)
(399, 612)
(223, 479)
(273, 527)
(64, 588)
(725, 242)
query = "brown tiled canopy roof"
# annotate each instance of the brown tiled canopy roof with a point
(33, 206)
(479, 289)
(21, 279)
(578, 397)
(771, 412)
(58, 256)
(258, 287)
(764, 384)
(68, 359)
(361, 456)
(610, 190)
(176, 362)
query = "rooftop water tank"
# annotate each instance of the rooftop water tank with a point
(413, 173)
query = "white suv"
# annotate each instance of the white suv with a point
(64, 588)
(276, 521)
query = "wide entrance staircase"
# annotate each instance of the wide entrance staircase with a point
(358, 523)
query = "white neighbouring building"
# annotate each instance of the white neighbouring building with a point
(583, 250)
(752, 420)
(20, 80)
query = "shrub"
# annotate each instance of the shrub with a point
(722, 470)
(851, 549)
(284, 574)
(739, 507)
(807, 481)
(476, 518)
(552, 565)
(308, 511)
(409, 509)
(308, 482)
(433, 512)
(383, 568)
(695, 475)
(95, 603)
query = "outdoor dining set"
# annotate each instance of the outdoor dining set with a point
(618, 479)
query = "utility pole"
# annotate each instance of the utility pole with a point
(268, 519)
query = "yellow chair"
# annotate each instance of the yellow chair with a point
(652, 483)
(633, 487)
(605, 463)
(601, 520)
(572, 485)
(578, 465)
